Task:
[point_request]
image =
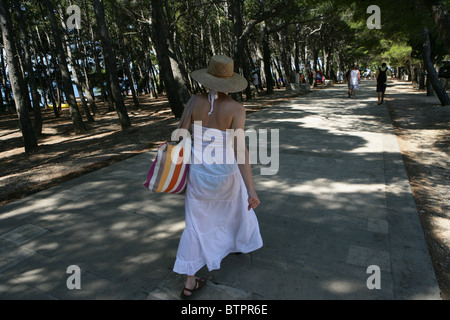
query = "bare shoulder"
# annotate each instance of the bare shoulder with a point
(236, 107)
(200, 101)
(238, 114)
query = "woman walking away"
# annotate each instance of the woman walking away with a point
(382, 74)
(220, 195)
(355, 78)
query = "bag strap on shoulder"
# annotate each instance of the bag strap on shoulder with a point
(187, 112)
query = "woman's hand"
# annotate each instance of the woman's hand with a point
(253, 200)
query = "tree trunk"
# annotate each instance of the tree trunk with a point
(106, 97)
(267, 62)
(126, 61)
(86, 84)
(297, 50)
(178, 65)
(74, 67)
(148, 63)
(260, 66)
(37, 48)
(29, 70)
(307, 65)
(286, 56)
(279, 78)
(239, 53)
(160, 33)
(9, 101)
(429, 87)
(65, 75)
(2, 106)
(432, 74)
(177, 58)
(110, 64)
(421, 84)
(15, 78)
(414, 76)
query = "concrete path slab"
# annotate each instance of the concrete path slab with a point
(338, 202)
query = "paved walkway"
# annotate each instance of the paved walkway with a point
(339, 203)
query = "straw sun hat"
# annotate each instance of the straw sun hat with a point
(220, 76)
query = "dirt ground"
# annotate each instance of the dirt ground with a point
(422, 128)
(420, 124)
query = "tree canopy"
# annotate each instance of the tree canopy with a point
(104, 48)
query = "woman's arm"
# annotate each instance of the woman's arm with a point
(240, 150)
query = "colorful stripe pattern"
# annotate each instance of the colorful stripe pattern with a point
(168, 172)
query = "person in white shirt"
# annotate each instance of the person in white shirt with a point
(355, 78)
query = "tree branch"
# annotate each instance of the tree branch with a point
(275, 11)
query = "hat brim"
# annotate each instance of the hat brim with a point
(236, 83)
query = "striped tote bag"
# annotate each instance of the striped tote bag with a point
(168, 172)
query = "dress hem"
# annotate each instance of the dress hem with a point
(192, 267)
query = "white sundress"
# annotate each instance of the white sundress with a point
(218, 221)
(354, 81)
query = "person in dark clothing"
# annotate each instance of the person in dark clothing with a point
(381, 75)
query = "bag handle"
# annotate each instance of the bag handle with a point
(187, 112)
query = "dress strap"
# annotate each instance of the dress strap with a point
(212, 95)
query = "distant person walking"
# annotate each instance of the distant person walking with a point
(353, 82)
(382, 74)
(256, 80)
